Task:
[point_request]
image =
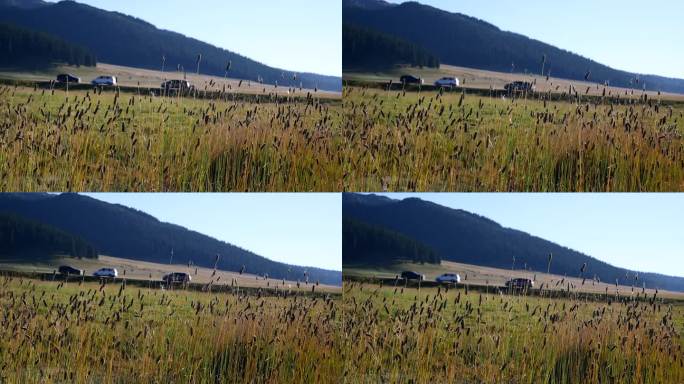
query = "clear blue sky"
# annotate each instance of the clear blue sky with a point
(632, 35)
(643, 232)
(297, 35)
(300, 229)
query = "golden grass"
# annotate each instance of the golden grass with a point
(85, 333)
(431, 141)
(122, 142)
(406, 335)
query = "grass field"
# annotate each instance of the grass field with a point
(142, 270)
(87, 141)
(475, 275)
(432, 141)
(83, 333)
(408, 335)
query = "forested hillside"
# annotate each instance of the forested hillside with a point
(364, 48)
(21, 47)
(22, 238)
(371, 244)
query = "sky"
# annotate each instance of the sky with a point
(642, 232)
(296, 35)
(301, 229)
(632, 35)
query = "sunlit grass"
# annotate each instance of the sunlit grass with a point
(85, 333)
(407, 335)
(453, 142)
(92, 141)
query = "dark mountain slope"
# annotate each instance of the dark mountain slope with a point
(25, 48)
(371, 244)
(124, 232)
(466, 41)
(23, 239)
(124, 40)
(25, 4)
(457, 235)
(368, 49)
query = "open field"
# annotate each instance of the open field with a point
(480, 79)
(142, 270)
(474, 275)
(145, 78)
(433, 141)
(110, 141)
(83, 333)
(408, 335)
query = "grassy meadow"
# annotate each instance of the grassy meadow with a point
(56, 332)
(110, 141)
(410, 335)
(434, 141)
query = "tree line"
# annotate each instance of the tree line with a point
(364, 48)
(22, 237)
(27, 48)
(364, 243)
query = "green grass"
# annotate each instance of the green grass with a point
(448, 142)
(84, 333)
(109, 142)
(405, 335)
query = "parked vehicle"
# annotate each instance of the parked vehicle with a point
(67, 270)
(447, 82)
(177, 278)
(519, 284)
(67, 78)
(448, 278)
(409, 79)
(519, 86)
(106, 272)
(105, 80)
(176, 86)
(410, 275)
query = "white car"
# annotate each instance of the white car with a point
(447, 82)
(106, 272)
(104, 80)
(449, 278)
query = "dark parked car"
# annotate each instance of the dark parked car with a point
(67, 78)
(410, 275)
(177, 278)
(519, 284)
(67, 270)
(409, 79)
(519, 86)
(176, 86)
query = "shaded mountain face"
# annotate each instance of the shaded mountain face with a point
(24, 4)
(26, 48)
(27, 240)
(461, 40)
(119, 39)
(460, 236)
(369, 49)
(371, 244)
(123, 232)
